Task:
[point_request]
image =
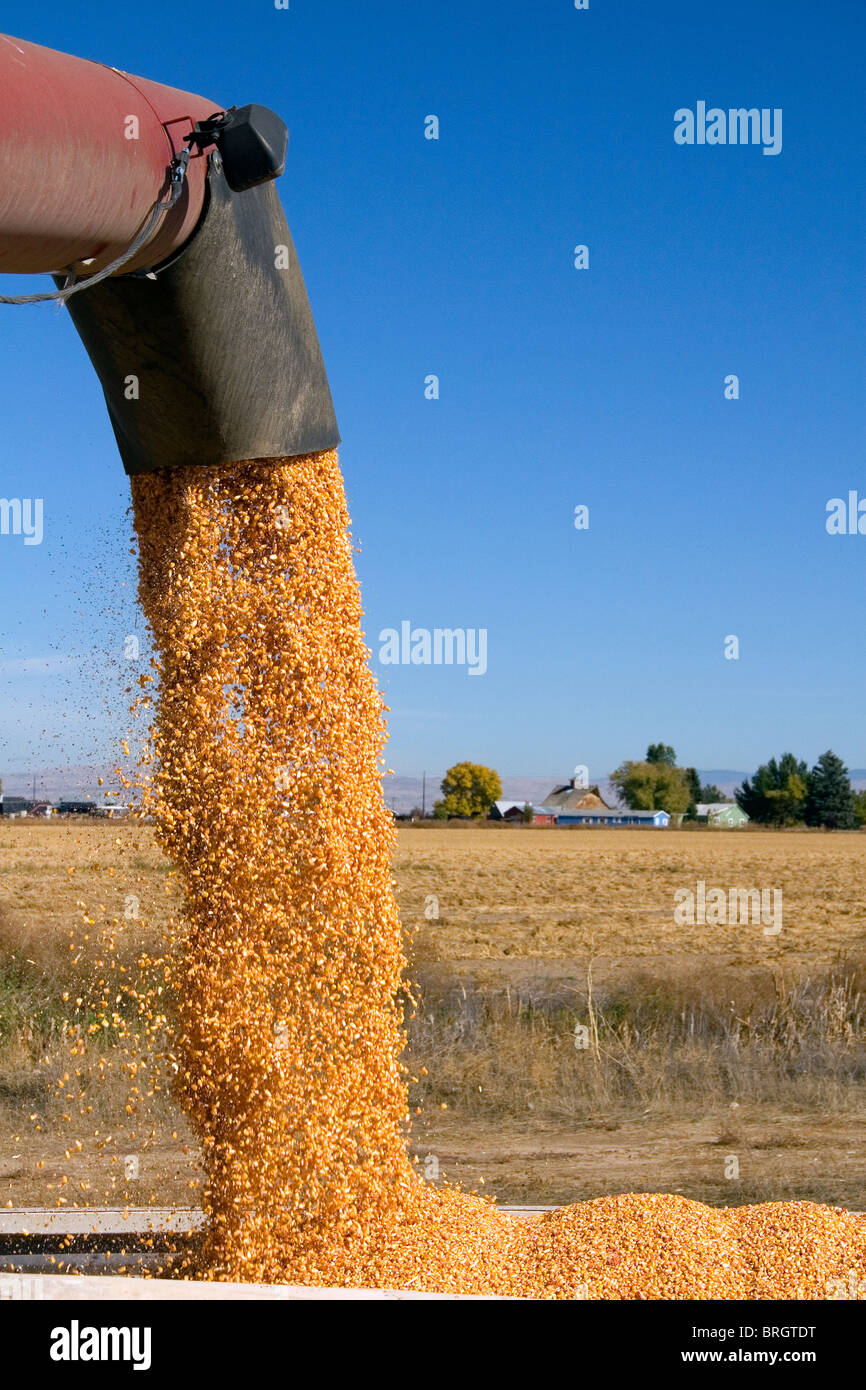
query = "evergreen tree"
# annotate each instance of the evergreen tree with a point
(694, 783)
(711, 794)
(775, 795)
(829, 798)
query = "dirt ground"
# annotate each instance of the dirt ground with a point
(533, 1164)
(547, 1165)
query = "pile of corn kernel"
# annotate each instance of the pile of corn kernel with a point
(285, 973)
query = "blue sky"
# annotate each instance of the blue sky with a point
(558, 387)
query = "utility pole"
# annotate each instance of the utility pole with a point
(423, 795)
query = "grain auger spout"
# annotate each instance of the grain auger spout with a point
(156, 213)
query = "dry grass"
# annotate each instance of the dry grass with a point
(54, 877)
(509, 1053)
(67, 922)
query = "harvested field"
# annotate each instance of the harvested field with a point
(550, 895)
(503, 977)
(545, 895)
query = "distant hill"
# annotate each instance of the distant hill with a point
(73, 783)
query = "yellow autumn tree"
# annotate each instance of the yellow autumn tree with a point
(468, 789)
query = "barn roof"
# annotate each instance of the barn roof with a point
(572, 798)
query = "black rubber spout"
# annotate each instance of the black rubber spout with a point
(216, 359)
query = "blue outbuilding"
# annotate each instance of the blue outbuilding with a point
(594, 816)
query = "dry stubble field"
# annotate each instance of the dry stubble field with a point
(722, 1062)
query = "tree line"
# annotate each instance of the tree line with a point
(783, 791)
(786, 792)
